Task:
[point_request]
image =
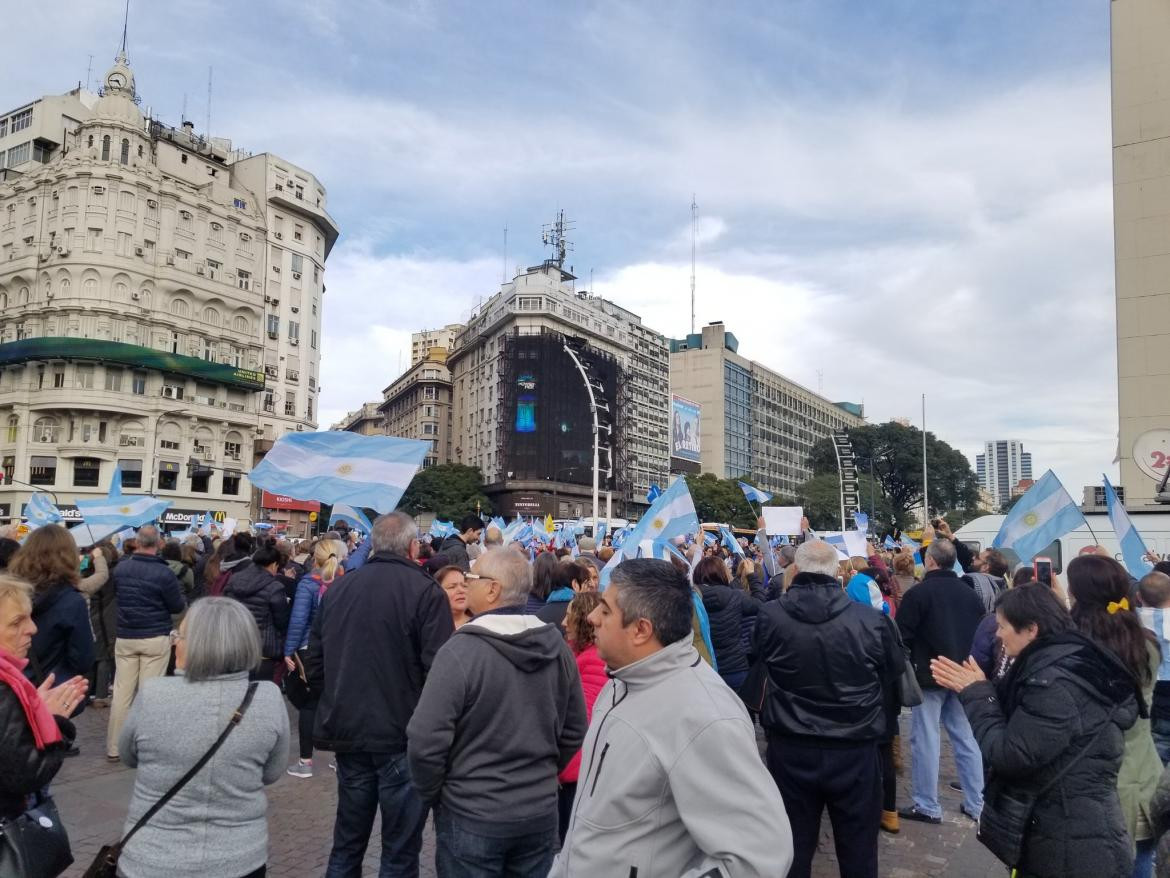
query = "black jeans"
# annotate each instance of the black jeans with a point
(848, 781)
(306, 716)
(367, 783)
(565, 796)
(462, 852)
(889, 777)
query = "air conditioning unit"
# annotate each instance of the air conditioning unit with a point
(170, 260)
(296, 310)
(171, 392)
(296, 275)
(199, 269)
(294, 341)
(275, 301)
(47, 434)
(279, 235)
(138, 251)
(62, 250)
(271, 371)
(54, 194)
(300, 428)
(135, 296)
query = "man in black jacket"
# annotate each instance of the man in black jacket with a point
(372, 643)
(939, 617)
(149, 594)
(833, 665)
(455, 546)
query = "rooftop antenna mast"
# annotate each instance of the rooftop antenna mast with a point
(504, 270)
(125, 25)
(89, 73)
(554, 236)
(207, 130)
(694, 238)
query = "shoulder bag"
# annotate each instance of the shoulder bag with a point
(1007, 813)
(909, 692)
(105, 865)
(35, 844)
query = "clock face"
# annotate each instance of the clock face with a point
(116, 80)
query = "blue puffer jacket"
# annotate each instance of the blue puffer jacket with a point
(63, 644)
(304, 608)
(148, 594)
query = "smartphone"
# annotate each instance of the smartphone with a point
(1042, 567)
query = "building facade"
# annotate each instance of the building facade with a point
(1140, 32)
(422, 343)
(754, 423)
(521, 410)
(366, 421)
(418, 406)
(1001, 467)
(137, 306)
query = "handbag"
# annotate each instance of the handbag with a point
(1007, 813)
(296, 684)
(105, 864)
(909, 691)
(35, 844)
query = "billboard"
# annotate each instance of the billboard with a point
(684, 429)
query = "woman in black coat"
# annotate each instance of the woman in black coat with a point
(254, 584)
(1065, 702)
(726, 607)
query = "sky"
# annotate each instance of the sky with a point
(894, 197)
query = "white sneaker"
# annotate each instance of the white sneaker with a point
(303, 768)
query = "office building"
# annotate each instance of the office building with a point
(366, 421)
(1001, 467)
(754, 424)
(150, 311)
(422, 343)
(417, 405)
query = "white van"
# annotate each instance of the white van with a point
(1153, 526)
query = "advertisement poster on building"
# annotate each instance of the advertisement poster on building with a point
(684, 430)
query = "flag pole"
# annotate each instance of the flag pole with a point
(925, 504)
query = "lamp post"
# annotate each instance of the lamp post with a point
(596, 431)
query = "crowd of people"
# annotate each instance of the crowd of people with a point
(695, 717)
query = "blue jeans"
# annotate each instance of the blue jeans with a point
(942, 704)
(461, 852)
(1143, 864)
(365, 783)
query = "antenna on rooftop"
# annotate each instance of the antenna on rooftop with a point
(554, 235)
(504, 270)
(183, 115)
(207, 130)
(89, 73)
(694, 239)
(125, 25)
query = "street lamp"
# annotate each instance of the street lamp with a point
(596, 429)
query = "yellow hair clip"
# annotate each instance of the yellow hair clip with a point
(1114, 606)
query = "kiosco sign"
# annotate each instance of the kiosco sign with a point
(279, 501)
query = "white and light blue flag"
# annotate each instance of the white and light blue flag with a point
(334, 466)
(730, 541)
(862, 521)
(115, 512)
(671, 515)
(352, 516)
(442, 529)
(754, 495)
(653, 494)
(889, 542)
(1045, 513)
(599, 532)
(1133, 548)
(40, 510)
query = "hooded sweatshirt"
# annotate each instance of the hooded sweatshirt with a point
(502, 712)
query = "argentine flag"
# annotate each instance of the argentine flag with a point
(862, 521)
(115, 512)
(671, 515)
(1045, 513)
(352, 516)
(599, 532)
(441, 529)
(754, 495)
(730, 541)
(653, 494)
(1133, 548)
(40, 511)
(889, 542)
(338, 467)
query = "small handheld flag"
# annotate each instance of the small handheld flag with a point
(754, 495)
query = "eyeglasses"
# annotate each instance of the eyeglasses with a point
(469, 577)
(176, 636)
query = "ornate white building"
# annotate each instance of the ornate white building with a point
(160, 300)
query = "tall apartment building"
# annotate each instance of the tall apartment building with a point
(366, 421)
(1140, 33)
(422, 343)
(417, 405)
(521, 410)
(151, 310)
(754, 423)
(1001, 466)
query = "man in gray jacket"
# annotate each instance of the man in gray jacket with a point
(502, 712)
(671, 784)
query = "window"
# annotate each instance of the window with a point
(313, 338)
(168, 475)
(210, 315)
(4, 130)
(169, 444)
(182, 254)
(294, 330)
(244, 279)
(290, 407)
(138, 383)
(298, 235)
(124, 157)
(298, 263)
(215, 232)
(231, 483)
(241, 324)
(131, 473)
(273, 325)
(209, 350)
(58, 379)
(41, 153)
(126, 201)
(85, 377)
(239, 204)
(42, 470)
(309, 410)
(213, 267)
(72, 194)
(106, 148)
(93, 239)
(180, 308)
(233, 450)
(9, 468)
(201, 482)
(123, 243)
(86, 472)
(430, 429)
(21, 120)
(185, 220)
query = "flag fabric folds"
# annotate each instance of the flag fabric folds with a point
(1045, 513)
(352, 516)
(653, 494)
(40, 511)
(599, 532)
(754, 495)
(862, 521)
(730, 541)
(442, 529)
(115, 512)
(889, 542)
(338, 467)
(1133, 547)
(672, 515)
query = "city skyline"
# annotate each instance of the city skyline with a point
(853, 170)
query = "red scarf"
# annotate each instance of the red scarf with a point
(43, 725)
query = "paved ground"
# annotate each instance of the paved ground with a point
(93, 795)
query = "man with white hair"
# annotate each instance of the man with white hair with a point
(502, 712)
(833, 666)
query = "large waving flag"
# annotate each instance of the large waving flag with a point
(1133, 548)
(671, 515)
(334, 466)
(754, 495)
(1045, 513)
(352, 516)
(730, 541)
(40, 511)
(115, 512)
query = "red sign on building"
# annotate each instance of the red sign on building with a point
(279, 501)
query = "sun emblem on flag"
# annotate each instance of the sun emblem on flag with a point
(658, 524)
(125, 510)
(345, 469)
(1031, 519)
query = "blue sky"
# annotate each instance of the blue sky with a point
(903, 197)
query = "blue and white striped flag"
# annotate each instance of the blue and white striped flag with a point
(352, 516)
(754, 495)
(889, 542)
(653, 494)
(618, 537)
(113, 513)
(862, 521)
(671, 515)
(709, 539)
(442, 529)
(40, 511)
(1045, 513)
(1133, 548)
(908, 543)
(730, 541)
(370, 472)
(599, 532)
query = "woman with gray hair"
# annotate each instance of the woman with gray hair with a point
(216, 825)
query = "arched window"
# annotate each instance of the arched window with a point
(45, 430)
(140, 150)
(89, 287)
(106, 148)
(120, 292)
(125, 157)
(13, 428)
(23, 295)
(210, 315)
(3, 301)
(179, 308)
(90, 144)
(240, 324)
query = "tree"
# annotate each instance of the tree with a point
(896, 453)
(722, 500)
(448, 491)
(821, 498)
